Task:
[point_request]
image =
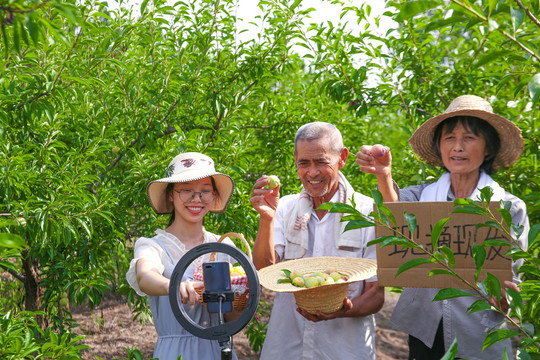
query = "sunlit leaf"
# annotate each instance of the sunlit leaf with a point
(437, 229)
(413, 8)
(534, 88)
(12, 241)
(517, 17)
(410, 219)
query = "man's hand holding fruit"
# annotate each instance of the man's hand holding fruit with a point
(265, 196)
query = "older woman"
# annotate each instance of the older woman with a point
(470, 142)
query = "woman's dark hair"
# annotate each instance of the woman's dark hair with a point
(170, 187)
(478, 127)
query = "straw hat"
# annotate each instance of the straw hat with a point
(186, 167)
(325, 298)
(470, 105)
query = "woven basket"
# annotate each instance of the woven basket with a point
(240, 300)
(324, 298)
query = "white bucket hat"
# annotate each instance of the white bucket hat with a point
(186, 167)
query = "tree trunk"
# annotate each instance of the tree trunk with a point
(31, 301)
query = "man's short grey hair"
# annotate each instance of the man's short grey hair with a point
(320, 130)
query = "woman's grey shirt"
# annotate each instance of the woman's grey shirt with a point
(417, 315)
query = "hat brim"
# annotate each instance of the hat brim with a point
(354, 269)
(509, 135)
(157, 195)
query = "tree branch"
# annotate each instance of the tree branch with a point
(15, 274)
(529, 14)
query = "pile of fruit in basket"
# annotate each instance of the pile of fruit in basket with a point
(311, 280)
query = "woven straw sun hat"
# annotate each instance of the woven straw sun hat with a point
(187, 167)
(470, 105)
(325, 298)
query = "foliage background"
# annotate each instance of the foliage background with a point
(94, 103)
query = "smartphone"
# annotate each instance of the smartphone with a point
(217, 281)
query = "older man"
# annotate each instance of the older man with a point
(292, 227)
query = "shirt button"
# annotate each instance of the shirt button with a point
(445, 302)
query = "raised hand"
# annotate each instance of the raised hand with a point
(264, 200)
(375, 159)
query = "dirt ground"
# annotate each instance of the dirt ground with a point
(110, 330)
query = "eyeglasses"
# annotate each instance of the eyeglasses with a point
(187, 195)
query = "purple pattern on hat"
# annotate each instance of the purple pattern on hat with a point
(169, 171)
(188, 162)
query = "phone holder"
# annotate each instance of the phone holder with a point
(224, 331)
(217, 287)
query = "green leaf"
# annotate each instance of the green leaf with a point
(398, 241)
(495, 242)
(410, 9)
(99, 14)
(440, 272)
(144, 4)
(534, 88)
(450, 293)
(478, 305)
(491, 224)
(410, 219)
(515, 301)
(411, 264)
(529, 269)
(287, 273)
(452, 351)
(449, 256)
(12, 241)
(338, 208)
(493, 285)
(467, 209)
(491, 57)
(517, 18)
(506, 216)
(486, 193)
(377, 196)
(523, 355)
(534, 237)
(479, 255)
(436, 232)
(358, 224)
(498, 335)
(387, 215)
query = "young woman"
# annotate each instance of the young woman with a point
(190, 190)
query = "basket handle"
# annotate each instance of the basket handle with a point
(236, 235)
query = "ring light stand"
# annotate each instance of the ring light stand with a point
(223, 331)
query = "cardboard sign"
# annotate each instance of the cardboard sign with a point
(459, 234)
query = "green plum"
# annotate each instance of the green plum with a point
(274, 182)
(311, 282)
(335, 275)
(298, 281)
(328, 281)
